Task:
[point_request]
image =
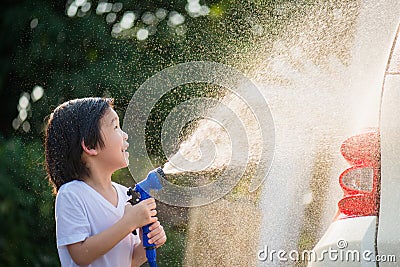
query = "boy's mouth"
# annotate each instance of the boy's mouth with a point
(125, 149)
(125, 153)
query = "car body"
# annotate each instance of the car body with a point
(366, 231)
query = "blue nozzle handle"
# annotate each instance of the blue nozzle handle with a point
(143, 188)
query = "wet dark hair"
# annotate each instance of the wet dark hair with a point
(69, 124)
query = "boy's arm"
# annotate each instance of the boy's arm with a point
(85, 252)
(138, 256)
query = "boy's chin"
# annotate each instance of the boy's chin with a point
(126, 158)
(125, 163)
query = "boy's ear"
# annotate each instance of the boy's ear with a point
(87, 150)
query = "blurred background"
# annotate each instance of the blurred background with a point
(53, 51)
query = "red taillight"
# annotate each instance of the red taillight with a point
(357, 205)
(363, 149)
(360, 183)
(358, 179)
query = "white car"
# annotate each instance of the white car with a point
(366, 229)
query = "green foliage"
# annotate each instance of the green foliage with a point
(27, 228)
(78, 56)
(173, 252)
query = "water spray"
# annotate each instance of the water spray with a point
(140, 192)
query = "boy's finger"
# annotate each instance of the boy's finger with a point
(154, 225)
(158, 239)
(155, 232)
(149, 200)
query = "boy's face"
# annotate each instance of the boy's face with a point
(113, 155)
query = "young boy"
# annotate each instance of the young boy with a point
(84, 145)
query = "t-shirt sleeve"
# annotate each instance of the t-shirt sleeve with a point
(72, 224)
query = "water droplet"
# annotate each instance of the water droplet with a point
(26, 126)
(34, 23)
(142, 34)
(111, 17)
(127, 20)
(86, 7)
(149, 18)
(23, 114)
(38, 91)
(24, 101)
(176, 18)
(161, 13)
(117, 7)
(16, 123)
(103, 7)
(72, 9)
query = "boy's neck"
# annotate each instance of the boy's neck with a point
(103, 185)
(99, 180)
(98, 185)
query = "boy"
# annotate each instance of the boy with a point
(84, 145)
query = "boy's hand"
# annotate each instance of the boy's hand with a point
(141, 214)
(157, 235)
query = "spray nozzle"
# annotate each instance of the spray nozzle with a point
(152, 182)
(161, 173)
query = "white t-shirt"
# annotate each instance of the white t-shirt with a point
(82, 212)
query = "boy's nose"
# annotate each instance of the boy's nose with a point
(124, 135)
